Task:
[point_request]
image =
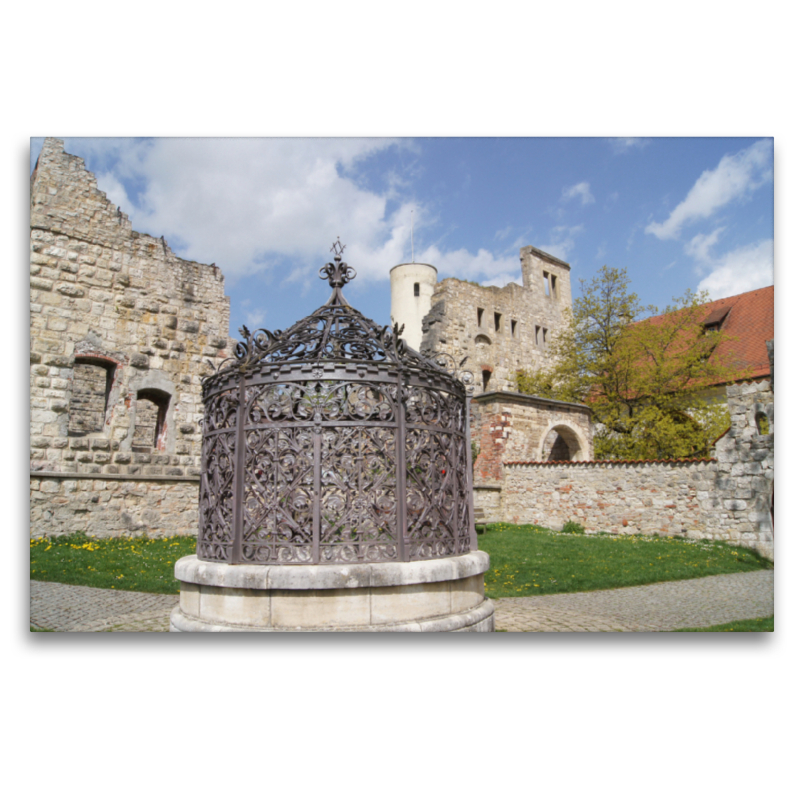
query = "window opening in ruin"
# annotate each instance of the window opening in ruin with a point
(554, 291)
(546, 284)
(497, 321)
(762, 423)
(544, 336)
(92, 379)
(480, 317)
(513, 328)
(537, 335)
(487, 374)
(150, 430)
(416, 290)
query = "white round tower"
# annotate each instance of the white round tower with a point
(412, 289)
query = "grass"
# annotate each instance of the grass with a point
(759, 625)
(132, 563)
(530, 560)
(526, 560)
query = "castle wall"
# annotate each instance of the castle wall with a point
(728, 498)
(516, 427)
(121, 330)
(108, 505)
(500, 330)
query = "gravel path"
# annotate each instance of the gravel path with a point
(658, 607)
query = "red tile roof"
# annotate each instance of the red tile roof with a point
(751, 324)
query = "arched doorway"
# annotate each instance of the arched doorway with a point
(562, 443)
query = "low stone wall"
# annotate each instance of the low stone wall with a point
(488, 499)
(657, 498)
(667, 498)
(103, 507)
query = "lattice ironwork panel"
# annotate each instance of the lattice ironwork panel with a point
(216, 478)
(278, 495)
(358, 498)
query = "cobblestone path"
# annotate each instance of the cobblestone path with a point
(83, 608)
(658, 607)
(695, 603)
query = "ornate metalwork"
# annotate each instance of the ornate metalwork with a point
(335, 442)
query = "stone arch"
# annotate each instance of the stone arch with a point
(562, 442)
(482, 338)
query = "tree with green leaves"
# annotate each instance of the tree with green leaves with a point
(642, 375)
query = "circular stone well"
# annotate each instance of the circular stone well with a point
(336, 485)
(441, 595)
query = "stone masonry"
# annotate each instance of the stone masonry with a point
(500, 330)
(728, 498)
(518, 427)
(121, 333)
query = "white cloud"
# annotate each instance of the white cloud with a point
(624, 144)
(114, 190)
(504, 280)
(250, 204)
(273, 206)
(463, 264)
(741, 270)
(255, 318)
(562, 241)
(578, 190)
(701, 244)
(733, 177)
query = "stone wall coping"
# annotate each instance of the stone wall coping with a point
(113, 476)
(302, 577)
(546, 256)
(677, 461)
(526, 400)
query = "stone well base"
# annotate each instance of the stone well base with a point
(445, 594)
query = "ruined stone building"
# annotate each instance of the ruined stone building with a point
(121, 329)
(499, 331)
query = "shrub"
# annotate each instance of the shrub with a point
(573, 527)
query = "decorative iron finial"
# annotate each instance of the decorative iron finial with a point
(338, 248)
(338, 273)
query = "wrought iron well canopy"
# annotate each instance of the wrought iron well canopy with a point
(333, 442)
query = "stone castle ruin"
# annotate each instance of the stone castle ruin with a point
(498, 330)
(123, 330)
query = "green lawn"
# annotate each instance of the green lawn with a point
(759, 624)
(526, 560)
(133, 563)
(530, 560)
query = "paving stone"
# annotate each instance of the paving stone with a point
(659, 607)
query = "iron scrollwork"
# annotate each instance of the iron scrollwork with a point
(334, 442)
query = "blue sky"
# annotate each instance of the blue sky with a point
(678, 213)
